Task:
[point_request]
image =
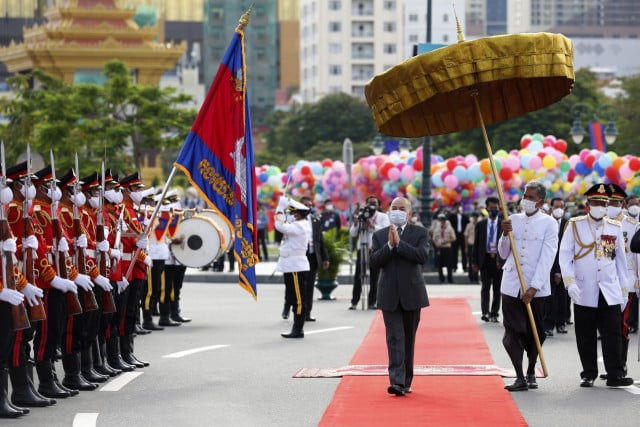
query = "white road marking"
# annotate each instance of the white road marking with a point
(194, 350)
(120, 381)
(85, 419)
(320, 331)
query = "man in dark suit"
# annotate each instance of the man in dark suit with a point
(400, 251)
(485, 258)
(459, 221)
(555, 308)
(316, 254)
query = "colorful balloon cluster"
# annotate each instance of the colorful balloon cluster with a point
(460, 179)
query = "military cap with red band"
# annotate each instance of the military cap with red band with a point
(598, 192)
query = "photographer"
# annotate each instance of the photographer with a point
(367, 221)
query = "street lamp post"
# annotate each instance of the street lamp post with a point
(347, 158)
(580, 111)
(425, 194)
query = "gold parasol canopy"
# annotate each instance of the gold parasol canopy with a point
(511, 75)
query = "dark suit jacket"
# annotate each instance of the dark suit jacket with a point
(319, 250)
(401, 280)
(453, 219)
(556, 263)
(479, 255)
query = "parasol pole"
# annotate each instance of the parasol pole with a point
(505, 214)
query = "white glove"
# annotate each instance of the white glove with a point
(84, 282)
(148, 261)
(32, 293)
(81, 241)
(64, 285)
(103, 282)
(63, 245)
(115, 254)
(574, 292)
(31, 242)
(142, 243)
(11, 296)
(9, 245)
(122, 285)
(283, 204)
(103, 246)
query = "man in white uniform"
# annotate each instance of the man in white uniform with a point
(594, 267)
(536, 238)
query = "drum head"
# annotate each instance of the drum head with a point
(226, 232)
(201, 242)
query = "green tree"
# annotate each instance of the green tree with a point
(628, 121)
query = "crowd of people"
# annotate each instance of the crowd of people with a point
(81, 281)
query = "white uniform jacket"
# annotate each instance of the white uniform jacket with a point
(536, 239)
(293, 249)
(629, 226)
(592, 255)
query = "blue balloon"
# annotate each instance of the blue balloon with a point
(582, 169)
(598, 169)
(460, 172)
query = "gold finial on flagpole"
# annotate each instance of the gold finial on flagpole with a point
(458, 26)
(244, 19)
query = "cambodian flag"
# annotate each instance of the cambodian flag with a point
(217, 157)
(596, 131)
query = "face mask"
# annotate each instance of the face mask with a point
(291, 218)
(94, 202)
(329, 208)
(6, 195)
(493, 213)
(78, 199)
(597, 212)
(136, 197)
(613, 211)
(634, 210)
(31, 192)
(113, 196)
(397, 217)
(528, 206)
(57, 194)
(558, 213)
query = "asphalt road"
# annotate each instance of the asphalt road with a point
(230, 367)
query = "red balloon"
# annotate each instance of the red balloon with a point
(305, 170)
(590, 160)
(451, 164)
(417, 165)
(571, 175)
(612, 173)
(524, 142)
(327, 163)
(505, 173)
(384, 170)
(634, 164)
(561, 145)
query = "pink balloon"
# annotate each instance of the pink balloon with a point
(451, 182)
(625, 171)
(535, 163)
(394, 174)
(408, 173)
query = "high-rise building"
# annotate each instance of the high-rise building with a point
(289, 44)
(442, 22)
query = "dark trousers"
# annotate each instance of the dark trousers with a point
(555, 309)
(295, 294)
(357, 282)
(446, 258)
(155, 282)
(262, 244)
(218, 265)
(633, 311)
(605, 319)
(311, 282)
(518, 334)
(401, 326)
(473, 275)
(7, 334)
(173, 279)
(48, 332)
(490, 277)
(458, 246)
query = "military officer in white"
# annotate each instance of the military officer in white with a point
(594, 269)
(293, 261)
(628, 224)
(536, 237)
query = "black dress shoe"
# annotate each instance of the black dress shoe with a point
(141, 330)
(407, 390)
(293, 334)
(168, 322)
(548, 333)
(520, 384)
(485, 317)
(619, 382)
(150, 326)
(494, 319)
(603, 376)
(396, 389)
(561, 330)
(532, 382)
(586, 382)
(310, 319)
(179, 318)
(633, 329)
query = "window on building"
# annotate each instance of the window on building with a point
(413, 38)
(389, 27)
(335, 27)
(335, 48)
(445, 17)
(413, 17)
(335, 70)
(389, 48)
(445, 38)
(389, 5)
(334, 5)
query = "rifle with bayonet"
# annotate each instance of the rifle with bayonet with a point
(89, 302)
(73, 303)
(36, 312)
(108, 303)
(19, 319)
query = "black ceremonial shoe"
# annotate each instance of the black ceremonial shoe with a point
(396, 389)
(293, 334)
(531, 381)
(586, 382)
(520, 384)
(619, 382)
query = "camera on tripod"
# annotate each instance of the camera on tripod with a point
(366, 212)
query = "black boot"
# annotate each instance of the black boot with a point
(126, 350)
(148, 322)
(22, 394)
(297, 329)
(285, 310)
(87, 370)
(73, 379)
(165, 312)
(175, 313)
(47, 386)
(7, 410)
(100, 363)
(113, 355)
(29, 364)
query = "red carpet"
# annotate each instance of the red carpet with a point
(448, 335)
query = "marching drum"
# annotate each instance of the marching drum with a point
(224, 228)
(202, 242)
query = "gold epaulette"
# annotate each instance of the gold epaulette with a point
(631, 220)
(613, 221)
(578, 218)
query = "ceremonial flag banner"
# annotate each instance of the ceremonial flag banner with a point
(217, 157)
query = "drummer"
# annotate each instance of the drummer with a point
(293, 261)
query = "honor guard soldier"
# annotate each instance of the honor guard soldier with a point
(20, 367)
(135, 243)
(628, 224)
(594, 269)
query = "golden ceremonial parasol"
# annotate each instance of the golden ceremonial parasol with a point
(470, 84)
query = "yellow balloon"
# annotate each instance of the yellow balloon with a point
(566, 187)
(549, 162)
